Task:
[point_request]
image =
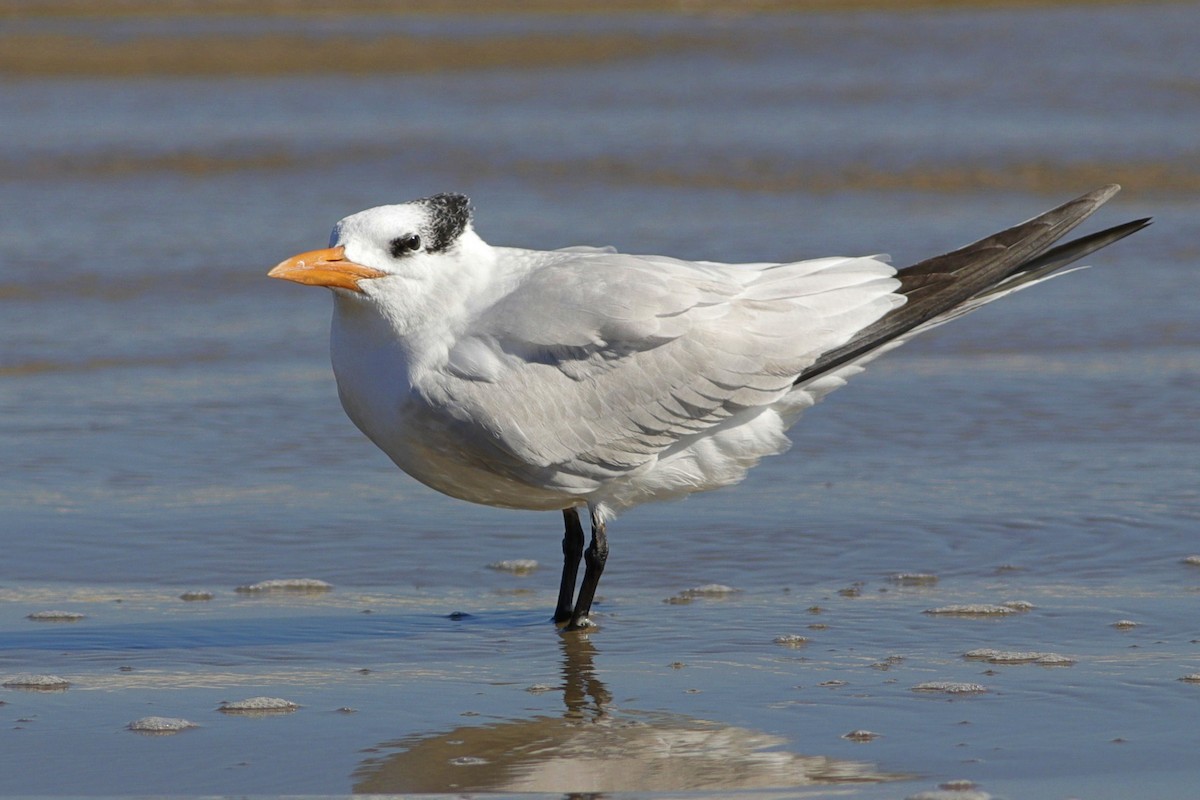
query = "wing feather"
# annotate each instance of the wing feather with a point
(593, 364)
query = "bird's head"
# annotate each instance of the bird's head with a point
(410, 241)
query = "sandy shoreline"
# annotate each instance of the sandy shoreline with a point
(55, 55)
(765, 176)
(42, 54)
(158, 8)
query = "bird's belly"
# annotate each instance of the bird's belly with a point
(435, 452)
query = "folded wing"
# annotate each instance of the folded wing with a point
(595, 364)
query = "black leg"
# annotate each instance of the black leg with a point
(594, 558)
(572, 547)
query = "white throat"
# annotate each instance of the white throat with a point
(417, 314)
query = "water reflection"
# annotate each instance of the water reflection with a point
(594, 747)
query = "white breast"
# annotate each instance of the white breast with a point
(375, 386)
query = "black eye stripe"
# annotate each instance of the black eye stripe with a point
(405, 244)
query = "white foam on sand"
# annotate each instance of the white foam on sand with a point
(259, 705)
(949, 687)
(914, 578)
(1018, 657)
(161, 725)
(950, 794)
(709, 591)
(517, 566)
(974, 610)
(27, 680)
(286, 585)
(791, 640)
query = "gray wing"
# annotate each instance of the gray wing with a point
(595, 363)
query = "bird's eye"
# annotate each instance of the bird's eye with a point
(405, 244)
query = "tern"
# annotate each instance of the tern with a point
(587, 378)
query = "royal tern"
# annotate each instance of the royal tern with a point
(560, 379)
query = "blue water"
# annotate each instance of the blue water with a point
(168, 419)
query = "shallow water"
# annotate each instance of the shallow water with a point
(168, 422)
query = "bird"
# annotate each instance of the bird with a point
(584, 378)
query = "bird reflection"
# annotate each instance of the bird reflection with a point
(584, 694)
(593, 747)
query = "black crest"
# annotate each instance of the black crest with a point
(449, 215)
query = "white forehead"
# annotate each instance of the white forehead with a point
(380, 224)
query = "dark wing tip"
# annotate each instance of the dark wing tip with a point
(1004, 260)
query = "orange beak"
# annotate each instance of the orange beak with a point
(327, 267)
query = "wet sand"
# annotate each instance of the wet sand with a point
(234, 53)
(1180, 177)
(81, 8)
(388, 693)
(50, 55)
